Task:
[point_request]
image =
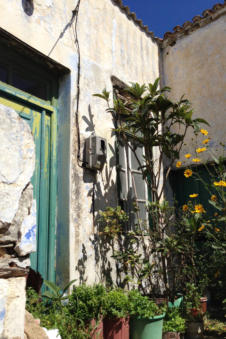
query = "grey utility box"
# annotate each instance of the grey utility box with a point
(95, 152)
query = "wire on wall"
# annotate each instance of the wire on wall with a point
(75, 13)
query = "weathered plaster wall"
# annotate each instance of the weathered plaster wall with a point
(12, 308)
(195, 66)
(110, 44)
(17, 219)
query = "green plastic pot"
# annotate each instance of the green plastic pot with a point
(146, 328)
(177, 302)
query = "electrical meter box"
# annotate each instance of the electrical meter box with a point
(95, 152)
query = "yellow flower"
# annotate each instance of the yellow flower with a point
(196, 160)
(185, 208)
(187, 173)
(194, 195)
(215, 214)
(199, 209)
(188, 155)
(213, 197)
(178, 164)
(200, 150)
(206, 141)
(204, 131)
(220, 183)
(201, 228)
(217, 229)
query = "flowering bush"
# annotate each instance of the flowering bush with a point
(177, 246)
(204, 217)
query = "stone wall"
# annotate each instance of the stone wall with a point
(17, 219)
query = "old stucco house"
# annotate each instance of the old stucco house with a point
(54, 56)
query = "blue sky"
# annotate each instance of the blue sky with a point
(162, 15)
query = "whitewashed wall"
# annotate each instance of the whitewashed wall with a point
(195, 66)
(110, 44)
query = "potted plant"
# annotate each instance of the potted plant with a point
(86, 303)
(144, 116)
(193, 312)
(174, 324)
(116, 315)
(146, 317)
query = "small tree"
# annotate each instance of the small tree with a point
(153, 121)
(159, 125)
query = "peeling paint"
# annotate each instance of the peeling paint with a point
(28, 230)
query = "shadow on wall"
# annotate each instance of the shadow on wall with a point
(103, 194)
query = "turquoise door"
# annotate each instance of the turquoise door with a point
(41, 118)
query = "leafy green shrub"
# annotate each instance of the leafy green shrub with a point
(85, 302)
(173, 321)
(115, 304)
(142, 307)
(45, 310)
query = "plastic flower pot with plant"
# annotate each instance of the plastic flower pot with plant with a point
(146, 328)
(146, 318)
(174, 323)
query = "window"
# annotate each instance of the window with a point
(132, 188)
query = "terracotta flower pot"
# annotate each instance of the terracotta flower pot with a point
(97, 329)
(203, 301)
(161, 301)
(171, 335)
(116, 328)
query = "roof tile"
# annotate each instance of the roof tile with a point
(170, 37)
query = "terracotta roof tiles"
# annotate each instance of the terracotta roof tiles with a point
(132, 15)
(170, 38)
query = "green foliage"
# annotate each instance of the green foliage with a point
(42, 309)
(115, 304)
(215, 327)
(191, 303)
(173, 321)
(105, 95)
(142, 307)
(153, 120)
(54, 313)
(86, 302)
(54, 292)
(113, 221)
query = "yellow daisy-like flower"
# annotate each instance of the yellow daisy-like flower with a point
(185, 208)
(199, 209)
(206, 141)
(194, 195)
(187, 173)
(201, 228)
(178, 164)
(187, 156)
(204, 131)
(217, 229)
(196, 160)
(213, 197)
(200, 150)
(220, 183)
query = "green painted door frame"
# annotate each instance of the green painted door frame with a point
(42, 118)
